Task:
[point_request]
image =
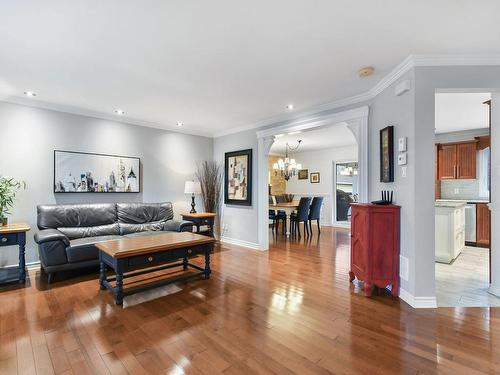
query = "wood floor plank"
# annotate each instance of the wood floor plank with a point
(291, 310)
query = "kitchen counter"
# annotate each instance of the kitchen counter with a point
(450, 204)
(464, 200)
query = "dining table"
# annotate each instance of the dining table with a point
(288, 207)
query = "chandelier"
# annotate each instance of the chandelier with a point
(348, 171)
(287, 167)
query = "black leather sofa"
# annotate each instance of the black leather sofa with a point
(68, 233)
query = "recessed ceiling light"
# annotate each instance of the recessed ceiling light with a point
(279, 135)
(297, 132)
(180, 124)
(289, 106)
(30, 93)
(366, 71)
(120, 112)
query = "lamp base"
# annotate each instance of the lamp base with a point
(193, 211)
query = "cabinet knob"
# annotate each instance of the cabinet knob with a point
(150, 259)
(4, 239)
(190, 251)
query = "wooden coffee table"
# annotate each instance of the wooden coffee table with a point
(152, 252)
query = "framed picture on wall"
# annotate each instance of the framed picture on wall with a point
(81, 172)
(303, 174)
(387, 154)
(314, 178)
(238, 178)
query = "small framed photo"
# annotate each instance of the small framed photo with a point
(303, 174)
(314, 178)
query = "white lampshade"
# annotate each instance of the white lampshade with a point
(299, 166)
(275, 166)
(192, 187)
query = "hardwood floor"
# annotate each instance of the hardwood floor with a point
(289, 310)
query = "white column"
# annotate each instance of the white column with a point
(495, 194)
(263, 148)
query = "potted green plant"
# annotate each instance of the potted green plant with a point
(8, 189)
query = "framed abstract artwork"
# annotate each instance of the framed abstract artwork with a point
(387, 154)
(314, 177)
(238, 178)
(303, 174)
(81, 172)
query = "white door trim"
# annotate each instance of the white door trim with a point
(356, 120)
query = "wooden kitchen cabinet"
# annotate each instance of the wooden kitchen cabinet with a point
(466, 160)
(457, 161)
(483, 223)
(447, 161)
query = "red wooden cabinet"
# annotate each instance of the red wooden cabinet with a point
(375, 246)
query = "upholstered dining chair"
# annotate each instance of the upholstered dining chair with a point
(315, 212)
(301, 216)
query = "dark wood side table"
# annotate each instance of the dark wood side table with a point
(15, 234)
(199, 219)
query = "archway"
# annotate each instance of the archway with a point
(356, 120)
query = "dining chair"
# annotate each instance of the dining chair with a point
(302, 215)
(315, 212)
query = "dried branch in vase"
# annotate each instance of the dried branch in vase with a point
(209, 173)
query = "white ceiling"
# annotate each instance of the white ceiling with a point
(461, 111)
(312, 140)
(217, 65)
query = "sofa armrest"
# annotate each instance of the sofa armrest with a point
(48, 235)
(178, 226)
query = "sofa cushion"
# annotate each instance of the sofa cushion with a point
(81, 232)
(139, 213)
(75, 215)
(142, 234)
(83, 249)
(126, 228)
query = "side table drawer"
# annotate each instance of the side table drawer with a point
(8, 239)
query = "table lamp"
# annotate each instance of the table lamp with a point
(192, 187)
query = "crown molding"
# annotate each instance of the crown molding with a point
(35, 103)
(406, 65)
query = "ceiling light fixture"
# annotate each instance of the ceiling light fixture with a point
(296, 132)
(289, 106)
(180, 124)
(30, 93)
(120, 112)
(287, 167)
(366, 71)
(279, 135)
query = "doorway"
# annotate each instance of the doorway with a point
(345, 191)
(462, 192)
(355, 119)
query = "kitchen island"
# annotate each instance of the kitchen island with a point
(449, 230)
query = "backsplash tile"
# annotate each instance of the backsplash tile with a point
(468, 189)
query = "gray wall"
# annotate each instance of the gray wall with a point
(399, 111)
(29, 137)
(239, 222)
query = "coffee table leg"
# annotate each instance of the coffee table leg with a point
(119, 283)
(102, 276)
(185, 263)
(22, 258)
(207, 262)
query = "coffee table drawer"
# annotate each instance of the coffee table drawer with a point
(164, 257)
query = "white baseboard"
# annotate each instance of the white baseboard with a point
(30, 265)
(417, 302)
(235, 241)
(495, 290)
